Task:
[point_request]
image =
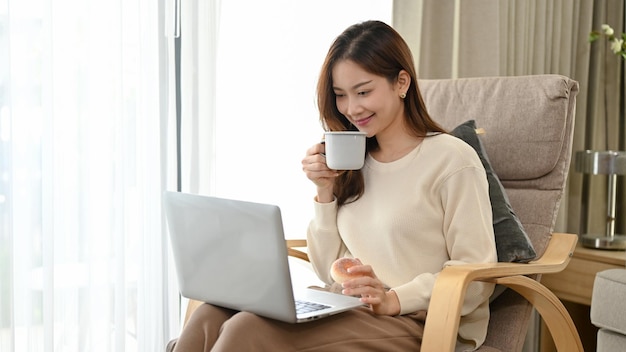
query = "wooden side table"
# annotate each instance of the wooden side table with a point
(574, 286)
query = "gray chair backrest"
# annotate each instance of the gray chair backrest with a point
(529, 124)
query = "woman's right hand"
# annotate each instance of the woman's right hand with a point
(316, 170)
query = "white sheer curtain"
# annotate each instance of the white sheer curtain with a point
(83, 262)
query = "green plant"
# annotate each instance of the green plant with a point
(617, 43)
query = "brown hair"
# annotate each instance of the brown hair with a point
(380, 50)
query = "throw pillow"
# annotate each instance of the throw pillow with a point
(512, 242)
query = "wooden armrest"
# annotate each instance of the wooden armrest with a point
(293, 252)
(444, 311)
(555, 259)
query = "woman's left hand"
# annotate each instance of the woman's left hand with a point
(372, 291)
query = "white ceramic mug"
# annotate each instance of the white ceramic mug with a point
(345, 150)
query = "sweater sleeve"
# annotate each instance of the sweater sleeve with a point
(323, 241)
(469, 238)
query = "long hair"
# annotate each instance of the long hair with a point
(378, 49)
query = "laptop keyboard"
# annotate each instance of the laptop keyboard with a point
(307, 307)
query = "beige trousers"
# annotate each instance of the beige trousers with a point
(212, 328)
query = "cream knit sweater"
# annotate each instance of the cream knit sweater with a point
(425, 211)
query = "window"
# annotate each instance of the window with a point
(269, 57)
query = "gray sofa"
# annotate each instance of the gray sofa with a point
(608, 309)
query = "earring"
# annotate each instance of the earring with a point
(402, 95)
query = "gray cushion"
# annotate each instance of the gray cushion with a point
(609, 341)
(512, 242)
(609, 293)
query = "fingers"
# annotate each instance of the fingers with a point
(315, 162)
(373, 293)
(365, 270)
(314, 159)
(315, 168)
(363, 285)
(367, 284)
(371, 290)
(317, 148)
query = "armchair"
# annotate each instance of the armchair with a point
(528, 123)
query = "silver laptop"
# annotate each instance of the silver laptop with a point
(232, 254)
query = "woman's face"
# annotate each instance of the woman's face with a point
(369, 102)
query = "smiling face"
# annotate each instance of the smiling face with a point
(371, 103)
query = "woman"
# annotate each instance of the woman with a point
(419, 204)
